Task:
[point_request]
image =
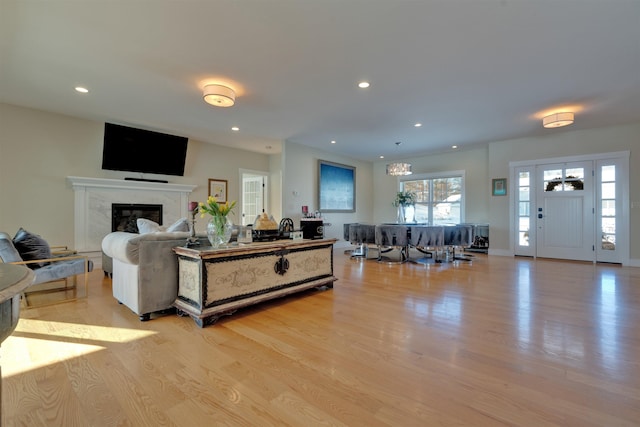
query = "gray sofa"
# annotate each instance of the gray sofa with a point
(145, 269)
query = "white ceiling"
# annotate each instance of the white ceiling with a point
(470, 71)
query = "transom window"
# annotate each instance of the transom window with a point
(564, 179)
(439, 198)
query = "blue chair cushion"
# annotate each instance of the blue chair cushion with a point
(60, 269)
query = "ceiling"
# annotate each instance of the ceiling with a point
(470, 72)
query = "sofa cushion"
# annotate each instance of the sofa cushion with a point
(179, 225)
(31, 246)
(146, 226)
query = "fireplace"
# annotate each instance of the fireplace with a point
(125, 215)
(94, 196)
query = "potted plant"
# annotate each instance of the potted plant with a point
(404, 199)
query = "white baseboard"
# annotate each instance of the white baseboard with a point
(633, 263)
(500, 252)
(95, 256)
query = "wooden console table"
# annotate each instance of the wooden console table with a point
(216, 282)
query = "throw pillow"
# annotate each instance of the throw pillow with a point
(146, 226)
(31, 247)
(179, 225)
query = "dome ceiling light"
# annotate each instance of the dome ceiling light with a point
(557, 120)
(219, 95)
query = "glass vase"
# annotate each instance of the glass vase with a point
(219, 231)
(401, 218)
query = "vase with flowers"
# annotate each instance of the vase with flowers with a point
(402, 201)
(220, 225)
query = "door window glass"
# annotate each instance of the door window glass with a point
(571, 179)
(524, 208)
(608, 207)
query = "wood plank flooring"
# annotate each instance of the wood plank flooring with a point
(496, 342)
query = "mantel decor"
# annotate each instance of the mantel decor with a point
(336, 187)
(499, 187)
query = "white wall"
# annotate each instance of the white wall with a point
(477, 184)
(300, 187)
(38, 150)
(484, 164)
(561, 144)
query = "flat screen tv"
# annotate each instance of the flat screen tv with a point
(137, 150)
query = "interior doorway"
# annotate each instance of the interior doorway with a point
(254, 195)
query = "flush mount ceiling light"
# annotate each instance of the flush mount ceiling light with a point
(218, 95)
(557, 120)
(399, 168)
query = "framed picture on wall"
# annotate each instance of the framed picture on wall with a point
(499, 187)
(218, 189)
(336, 187)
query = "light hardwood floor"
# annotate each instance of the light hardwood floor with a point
(497, 342)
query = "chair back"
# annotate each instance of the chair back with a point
(391, 235)
(425, 236)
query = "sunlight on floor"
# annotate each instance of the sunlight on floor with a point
(38, 343)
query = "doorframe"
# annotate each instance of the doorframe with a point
(266, 189)
(622, 156)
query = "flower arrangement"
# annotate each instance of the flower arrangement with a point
(218, 212)
(405, 198)
(215, 209)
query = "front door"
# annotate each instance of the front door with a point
(564, 212)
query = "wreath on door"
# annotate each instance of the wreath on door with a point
(573, 181)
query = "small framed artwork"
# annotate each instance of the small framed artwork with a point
(499, 187)
(218, 189)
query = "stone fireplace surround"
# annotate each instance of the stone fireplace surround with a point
(94, 196)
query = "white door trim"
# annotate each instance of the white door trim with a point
(622, 156)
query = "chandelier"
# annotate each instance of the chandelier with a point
(399, 169)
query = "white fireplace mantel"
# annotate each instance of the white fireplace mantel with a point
(94, 197)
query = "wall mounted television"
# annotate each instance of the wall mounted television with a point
(137, 150)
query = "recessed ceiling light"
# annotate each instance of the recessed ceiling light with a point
(235, 128)
(418, 125)
(454, 146)
(363, 85)
(333, 142)
(82, 89)
(382, 157)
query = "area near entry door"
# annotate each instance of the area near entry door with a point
(564, 211)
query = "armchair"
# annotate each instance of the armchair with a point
(56, 268)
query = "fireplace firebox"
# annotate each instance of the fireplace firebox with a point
(124, 216)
